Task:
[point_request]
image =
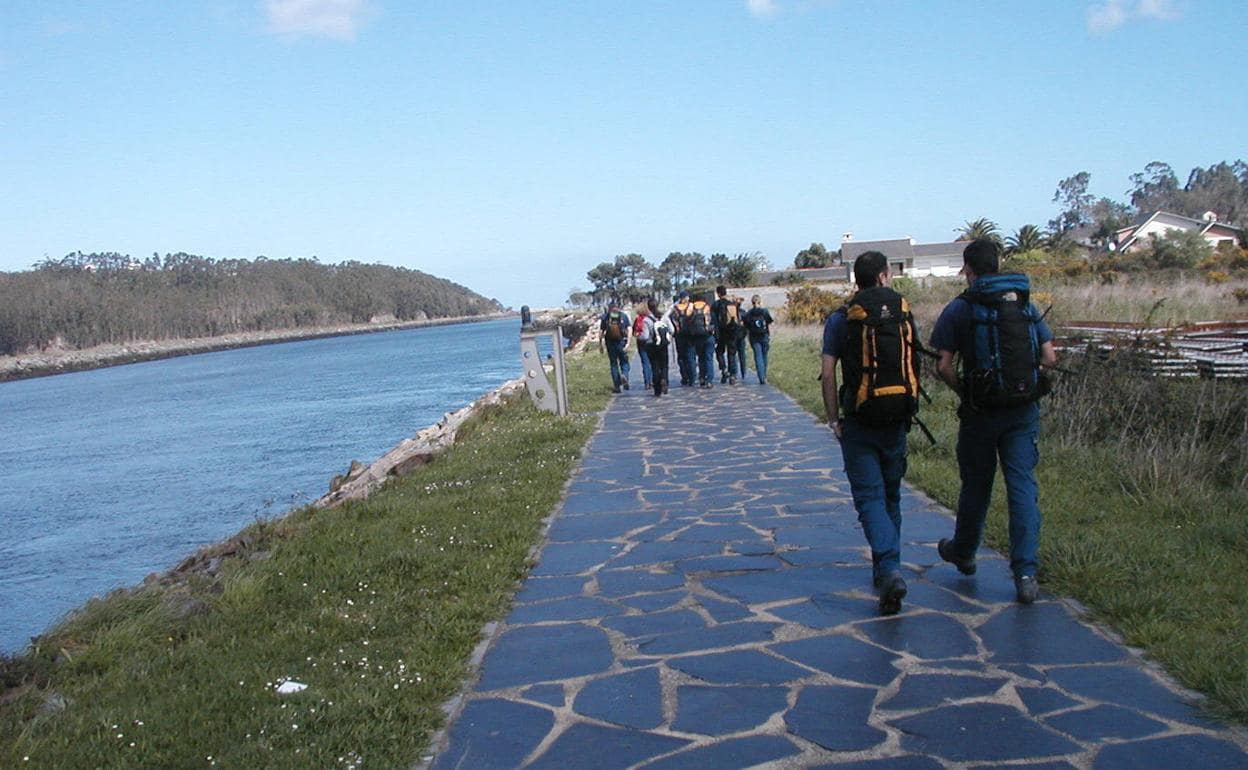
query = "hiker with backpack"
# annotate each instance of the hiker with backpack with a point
(738, 339)
(656, 332)
(727, 323)
(680, 334)
(643, 354)
(874, 339)
(758, 323)
(1003, 345)
(699, 323)
(615, 326)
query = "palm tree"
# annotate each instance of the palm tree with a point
(1028, 238)
(980, 228)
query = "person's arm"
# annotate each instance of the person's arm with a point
(831, 405)
(946, 371)
(1048, 355)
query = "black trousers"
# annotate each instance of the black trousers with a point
(658, 367)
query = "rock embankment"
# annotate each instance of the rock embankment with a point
(574, 324)
(43, 363)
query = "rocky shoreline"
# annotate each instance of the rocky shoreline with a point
(61, 361)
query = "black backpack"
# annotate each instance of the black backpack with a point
(1006, 368)
(698, 319)
(880, 363)
(756, 321)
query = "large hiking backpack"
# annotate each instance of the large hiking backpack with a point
(1006, 366)
(679, 311)
(697, 321)
(731, 318)
(615, 326)
(880, 362)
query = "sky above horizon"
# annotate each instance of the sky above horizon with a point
(511, 147)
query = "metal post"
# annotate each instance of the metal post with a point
(545, 397)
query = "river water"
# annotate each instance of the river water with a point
(108, 475)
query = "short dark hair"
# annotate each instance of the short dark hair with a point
(721, 290)
(983, 256)
(867, 268)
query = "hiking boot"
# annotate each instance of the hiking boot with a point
(732, 380)
(616, 389)
(892, 591)
(665, 387)
(1027, 588)
(625, 383)
(723, 378)
(965, 566)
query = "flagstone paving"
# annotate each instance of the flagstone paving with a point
(703, 600)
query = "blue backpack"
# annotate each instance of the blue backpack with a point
(1006, 366)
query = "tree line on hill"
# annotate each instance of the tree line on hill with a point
(631, 278)
(83, 300)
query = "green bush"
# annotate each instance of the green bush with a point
(809, 305)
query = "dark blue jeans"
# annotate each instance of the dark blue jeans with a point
(875, 461)
(618, 353)
(760, 346)
(684, 358)
(1009, 435)
(739, 343)
(705, 347)
(643, 353)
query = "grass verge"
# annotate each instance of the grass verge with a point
(1148, 529)
(375, 605)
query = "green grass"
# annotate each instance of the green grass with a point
(1155, 549)
(376, 606)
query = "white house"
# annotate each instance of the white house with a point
(905, 257)
(1139, 235)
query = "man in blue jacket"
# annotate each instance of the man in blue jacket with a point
(615, 327)
(995, 320)
(874, 451)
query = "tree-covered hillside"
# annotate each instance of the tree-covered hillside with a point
(92, 299)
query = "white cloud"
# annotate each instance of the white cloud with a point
(334, 19)
(1108, 16)
(1158, 9)
(762, 7)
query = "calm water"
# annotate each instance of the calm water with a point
(108, 475)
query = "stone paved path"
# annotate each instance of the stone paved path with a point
(704, 600)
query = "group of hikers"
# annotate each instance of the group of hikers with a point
(871, 363)
(702, 331)
(1004, 348)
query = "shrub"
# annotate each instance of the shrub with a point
(808, 304)
(787, 279)
(1178, 248)
(1240, 295)
(903, 285)
(1217, 276)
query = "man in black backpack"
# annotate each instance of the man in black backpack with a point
(1002, 342)
(699, 323)
(677, 314)
(871, 411)
(727, 317)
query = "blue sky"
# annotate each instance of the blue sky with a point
(511, 146)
